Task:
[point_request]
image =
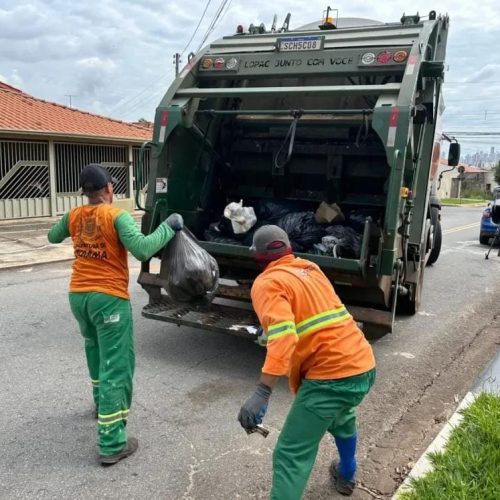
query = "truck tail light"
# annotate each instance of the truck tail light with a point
(400, 56)
(219, 63)
(384, 57)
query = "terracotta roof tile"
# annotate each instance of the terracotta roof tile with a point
(21, 112)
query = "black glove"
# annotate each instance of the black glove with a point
(175, 221)
(254, 409)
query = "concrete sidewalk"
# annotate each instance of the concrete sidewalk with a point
(23, 242)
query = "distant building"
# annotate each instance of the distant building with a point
(43, 147)
(452, 183)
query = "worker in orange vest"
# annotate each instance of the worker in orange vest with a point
(99, 299)
(312, 339)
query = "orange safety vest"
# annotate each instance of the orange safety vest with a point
(310, 334)
(101, 260)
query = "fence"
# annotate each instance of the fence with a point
(41, 178)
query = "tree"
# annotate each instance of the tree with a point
(497, 173)
(143, 120)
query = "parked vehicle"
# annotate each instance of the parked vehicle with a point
(488, 228)
(347, 115)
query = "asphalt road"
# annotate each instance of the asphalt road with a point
(189, 386)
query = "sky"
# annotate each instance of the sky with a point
(115, 57)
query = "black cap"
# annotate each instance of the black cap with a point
(94, 177)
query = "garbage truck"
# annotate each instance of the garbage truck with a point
(342, 112)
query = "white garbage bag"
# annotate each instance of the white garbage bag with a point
(242, 218)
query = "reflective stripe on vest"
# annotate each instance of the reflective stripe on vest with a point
(279, 329)
(322, 320)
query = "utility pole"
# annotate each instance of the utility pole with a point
(177, 63)
(70, 96)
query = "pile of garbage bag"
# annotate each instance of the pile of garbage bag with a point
(326, 231)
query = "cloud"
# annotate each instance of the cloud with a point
(485, 73)
(23, 22)
(93, 73)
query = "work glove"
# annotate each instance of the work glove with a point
(175, 221)
(255, 407)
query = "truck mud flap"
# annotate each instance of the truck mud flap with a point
(215, 317)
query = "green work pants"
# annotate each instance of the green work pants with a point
(106, 325)
(320, 406)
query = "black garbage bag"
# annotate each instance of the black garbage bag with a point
(349, 241)
(272, 211)
(302, 229)
(215, 236)
(191, 272)
(356, 219)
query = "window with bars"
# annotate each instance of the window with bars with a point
(72, 157)
(24, 171)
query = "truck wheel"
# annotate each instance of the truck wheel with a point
(484, 240)
(436, 249)
(409, 304)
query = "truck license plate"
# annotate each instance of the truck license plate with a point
(300, 43)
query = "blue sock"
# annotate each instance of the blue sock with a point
(347, 453)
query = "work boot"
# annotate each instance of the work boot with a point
(130, 447)
(343, 486)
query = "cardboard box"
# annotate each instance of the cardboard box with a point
(326, 214)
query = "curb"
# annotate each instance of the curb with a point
(423, 465)
(33, 264)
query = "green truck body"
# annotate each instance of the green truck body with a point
(348, 116)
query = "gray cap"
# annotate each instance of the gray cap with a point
(270, 243)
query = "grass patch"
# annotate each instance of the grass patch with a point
(463, 201)
(469, 466)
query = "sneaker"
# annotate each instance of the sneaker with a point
(130, 447)
(343, 486)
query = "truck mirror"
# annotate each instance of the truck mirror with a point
(454, 154)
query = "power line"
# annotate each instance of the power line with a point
(215, 20)
(140, 99)
(473, 83)
(197, 27)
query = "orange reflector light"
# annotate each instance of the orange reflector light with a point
(219, 63)
(405, 192)
(207, 63)
(384, 57)
(400, 56)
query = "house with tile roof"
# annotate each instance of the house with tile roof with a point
(44, 146)
(454, 180)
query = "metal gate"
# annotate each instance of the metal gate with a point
(70, 158)
(26, 187)
(24, 179)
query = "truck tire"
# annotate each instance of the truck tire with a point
(409, 304)
(436, 249)
(484, 240)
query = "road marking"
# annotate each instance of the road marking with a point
(461, 228)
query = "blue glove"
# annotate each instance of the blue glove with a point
(255, 407)
(175, 221)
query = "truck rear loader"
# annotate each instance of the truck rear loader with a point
(341, 111)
